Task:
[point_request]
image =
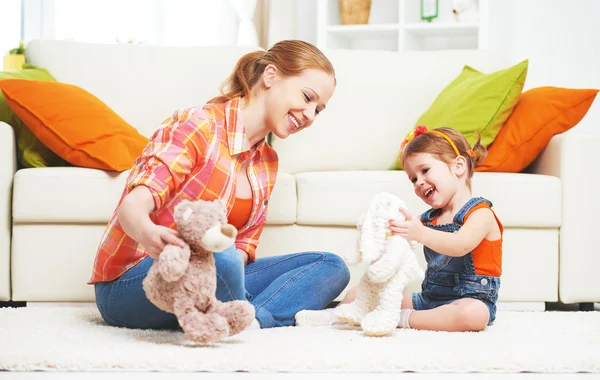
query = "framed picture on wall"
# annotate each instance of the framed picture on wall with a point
(429, 10)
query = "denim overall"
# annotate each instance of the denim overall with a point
(448, 278)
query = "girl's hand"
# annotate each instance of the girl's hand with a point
(410, 229)
(154, 239)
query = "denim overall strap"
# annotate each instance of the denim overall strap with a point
(449, 278)
(459, 218)
(430, 215)
(437, 262)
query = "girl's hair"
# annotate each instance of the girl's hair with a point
(290, 57)
(440, 148)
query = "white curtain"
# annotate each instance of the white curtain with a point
(292, 19)
(247, 30)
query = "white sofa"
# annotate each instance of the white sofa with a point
(327, 174)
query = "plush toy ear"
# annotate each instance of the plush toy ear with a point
(181, 208)
(361, 220)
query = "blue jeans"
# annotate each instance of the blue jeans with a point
(278, 287)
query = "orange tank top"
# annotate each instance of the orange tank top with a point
(240, 212)
(487, 256)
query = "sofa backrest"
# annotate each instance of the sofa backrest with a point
(143, 84)
(379, 97)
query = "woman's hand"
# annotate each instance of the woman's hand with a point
(133, 215)
(154, 239)
(410, 229)
(244, 255)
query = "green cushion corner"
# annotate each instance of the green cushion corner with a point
(475, 102)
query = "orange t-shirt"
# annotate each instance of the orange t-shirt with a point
(240, 213)
(487, 256)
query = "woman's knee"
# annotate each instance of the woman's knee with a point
(339, 269)
(230, 275)
(229, 264)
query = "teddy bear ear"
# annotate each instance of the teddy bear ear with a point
(182, 206)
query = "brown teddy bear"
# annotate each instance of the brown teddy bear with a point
(183, 280)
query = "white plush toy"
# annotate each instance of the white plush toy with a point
(391, 266)
(465, 10)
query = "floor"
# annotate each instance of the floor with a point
(300, 376)
(291, 376)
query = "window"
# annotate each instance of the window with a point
(10, 25)
(156, 22)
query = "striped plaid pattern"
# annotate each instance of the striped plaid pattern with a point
(195, 154)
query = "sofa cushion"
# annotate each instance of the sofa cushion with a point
(66, 195)
(75, 124)
(338, 198)
(31, 152)
(374, 106)
(476, 103)
(540, 114)
(82, 195)
(142, 83)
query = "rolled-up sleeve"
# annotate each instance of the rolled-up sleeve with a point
(176, 148)
(248, 240)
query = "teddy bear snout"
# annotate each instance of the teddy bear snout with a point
(219, 237)
(229, 230)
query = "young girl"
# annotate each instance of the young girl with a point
(461, 235)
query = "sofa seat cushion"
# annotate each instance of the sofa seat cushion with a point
(82, 195)
(338, 198)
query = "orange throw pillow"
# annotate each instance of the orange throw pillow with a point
(74, 124)
(540, 114)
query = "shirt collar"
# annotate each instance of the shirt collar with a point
(237, 138)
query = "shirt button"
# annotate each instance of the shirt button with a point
(484, 281)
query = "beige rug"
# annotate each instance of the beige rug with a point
(76, 339)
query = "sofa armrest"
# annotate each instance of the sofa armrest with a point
(570, 156)
(8, 166)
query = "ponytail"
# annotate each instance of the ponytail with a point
(479, 152)
(245, 75)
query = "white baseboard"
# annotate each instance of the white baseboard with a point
(505, 306)
(54, 304)
(521, 306)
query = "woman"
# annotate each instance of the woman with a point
(219, 151)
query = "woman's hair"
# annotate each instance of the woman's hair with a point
(440, 148)
(290, 57)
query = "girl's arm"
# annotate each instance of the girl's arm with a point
(478, 226)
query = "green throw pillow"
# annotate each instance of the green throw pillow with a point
(477, 102)
(31, 152)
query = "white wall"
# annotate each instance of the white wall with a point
(561, 38)
(292, 19)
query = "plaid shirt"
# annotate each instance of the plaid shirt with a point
(195, 154)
